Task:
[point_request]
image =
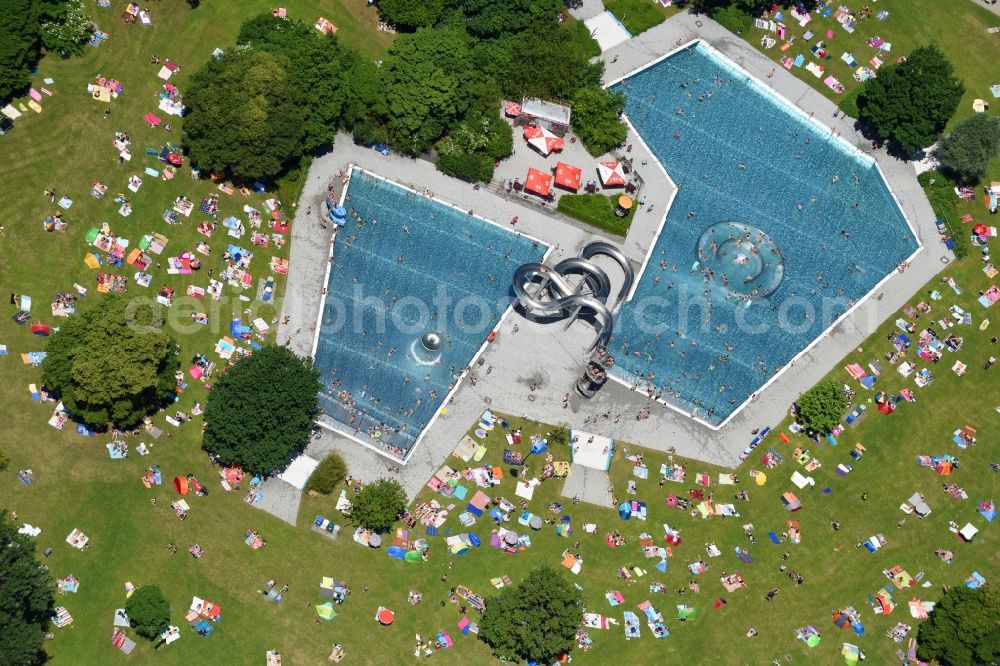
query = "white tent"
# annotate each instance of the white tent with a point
(299, 471)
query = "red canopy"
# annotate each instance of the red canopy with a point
(568, 176)
(612, 174)
(512, 109)
(538, 182)
(542, 139)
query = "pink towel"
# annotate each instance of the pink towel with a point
(35, 95)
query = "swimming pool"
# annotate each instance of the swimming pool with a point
(403, 266)
(776, 230)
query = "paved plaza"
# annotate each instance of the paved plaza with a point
(545, 354)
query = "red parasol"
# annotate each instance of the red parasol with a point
(152, 120)
(512, 109)
(612, 174)
(980, 230)
(542, 139)
(538, 182)
(568, 176)
(386, 616)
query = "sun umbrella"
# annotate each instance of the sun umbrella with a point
(386, 616)
(538, 182)
(980, 230)
(612, 174)
(542, 139)
(181, 485)
(568, 176)
(512, 109)
(152, 120)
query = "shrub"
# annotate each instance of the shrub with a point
(4, 461)
(470, 167)
(733, 19)
(330, 471)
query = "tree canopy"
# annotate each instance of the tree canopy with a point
(65, 25)
(261, 411)
(536, 620)
(910, 103)
(19, 46)
(246, 115)
(113, 364)
(966, 153)
(26, 598)
(148, 611)
(487, 19)
(822, 406)
(962, 630)
(378, 505)
(597, 119)
(410, 15)
(426, 76)
(316, 67)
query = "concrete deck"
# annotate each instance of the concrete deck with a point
(546, 354)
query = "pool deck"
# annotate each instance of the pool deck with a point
(546, 354)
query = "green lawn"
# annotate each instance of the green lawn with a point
(639, 15)
(78, 486)
(958, 30)
(597, 210)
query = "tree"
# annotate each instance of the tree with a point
(536, 620)
(19, 46)
(426, 75)
(552, 62)
(487, 19)
(822, 406)
(559, 436)
(410, 15)
(470, 150)
(148, 611)
(113, 364)
(316, 68)
(962, 629)
(260, 413)
(378, 505)
(597, 119)
(966, 153)
(65, 25)
(910, 103)
(26, 598)
(330, 471)
(246, 115)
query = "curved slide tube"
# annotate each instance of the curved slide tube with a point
(554, 296)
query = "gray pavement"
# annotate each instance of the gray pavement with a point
(989, 5)
(588, 9)
(590, 485)
(281, 499)
(540, 353)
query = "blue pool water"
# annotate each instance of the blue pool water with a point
(793, 224)
(412, 266)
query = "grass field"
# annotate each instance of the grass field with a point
(639, 15)
(77, 486)
(596, 210)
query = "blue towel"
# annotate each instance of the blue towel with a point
(773, 537)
